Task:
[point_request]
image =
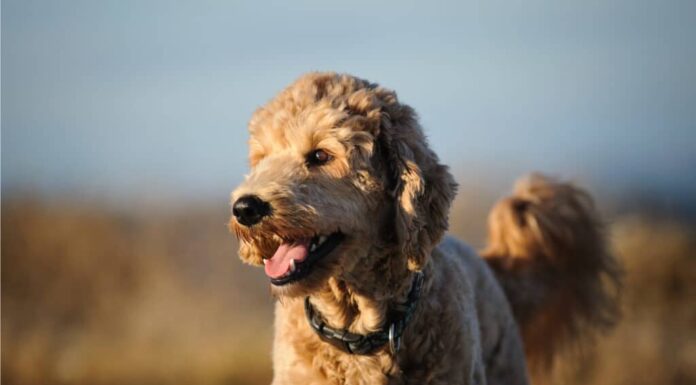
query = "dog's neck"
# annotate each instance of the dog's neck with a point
(360, 301)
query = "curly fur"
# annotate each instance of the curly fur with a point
(548, 249)
(388, 193)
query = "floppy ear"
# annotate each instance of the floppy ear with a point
(422, 188)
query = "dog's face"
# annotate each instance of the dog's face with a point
(342, 185)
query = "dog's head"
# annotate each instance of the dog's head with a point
(342, 184)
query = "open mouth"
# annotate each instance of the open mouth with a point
(293, 260)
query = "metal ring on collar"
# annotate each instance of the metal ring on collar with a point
(394, 341)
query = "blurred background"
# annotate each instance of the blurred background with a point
(124, 130)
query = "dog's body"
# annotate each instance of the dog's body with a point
(444, 344)
(346, 204)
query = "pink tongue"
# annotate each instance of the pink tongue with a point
(279, 264)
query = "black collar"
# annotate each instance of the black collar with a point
(365, 344)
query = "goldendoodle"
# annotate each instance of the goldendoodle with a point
(346, 208)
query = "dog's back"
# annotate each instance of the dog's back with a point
(501, 346)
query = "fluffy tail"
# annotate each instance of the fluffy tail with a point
(549, 252)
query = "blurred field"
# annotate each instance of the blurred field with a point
(101, 296)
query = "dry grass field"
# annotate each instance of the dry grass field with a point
(100, 296)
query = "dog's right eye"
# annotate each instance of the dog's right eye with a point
(318, 158)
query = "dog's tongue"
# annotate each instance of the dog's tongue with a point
(279, 264)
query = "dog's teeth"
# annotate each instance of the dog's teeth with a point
(322, 239)
(265, 261)
(313, 247)
(292, 266)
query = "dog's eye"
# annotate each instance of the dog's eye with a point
(318, 157)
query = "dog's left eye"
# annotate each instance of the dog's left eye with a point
(318, 157)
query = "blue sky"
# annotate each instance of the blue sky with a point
(129, 98)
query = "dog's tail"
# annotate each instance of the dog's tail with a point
(549, 252)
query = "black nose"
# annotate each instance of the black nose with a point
(250, 209)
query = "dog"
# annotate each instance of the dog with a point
(346, 208)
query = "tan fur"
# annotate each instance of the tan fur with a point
(547, 246)
(386, 190)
